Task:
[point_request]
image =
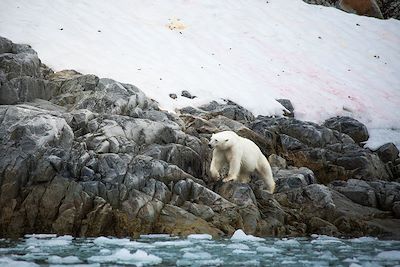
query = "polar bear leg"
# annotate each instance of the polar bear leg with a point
(234, 169)
(216, 164)
(265, 171)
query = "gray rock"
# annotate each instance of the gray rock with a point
(349, 126)
(288, 105)
(277, 161)
(388, 152)
(229, 110)
(187, 94)
(287, 179)
(5, 45)
(396, 209)
(357, 190)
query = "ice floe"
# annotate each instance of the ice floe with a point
(264, 249)
(124, 256)
(176, 243)
(239, 235)
(393, 255)
(200, 236)
(63, 260)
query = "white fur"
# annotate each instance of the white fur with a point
(243, 157)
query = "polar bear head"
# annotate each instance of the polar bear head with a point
(223, 140)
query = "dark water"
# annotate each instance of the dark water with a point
(198, 250)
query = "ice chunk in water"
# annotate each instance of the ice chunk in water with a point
(123, 256)
(364, 239)
(263, 249)
(8, 262)
(56, 241)
(389, 255)
(40, 235)
(63, 260)
(150, 236)
(177, 243)
(200, 236)
(240, 251)
(239, 235)
(197, 255)
(105, 241)
(287, 242)
(238, 246)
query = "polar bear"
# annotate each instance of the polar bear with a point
(243, 157)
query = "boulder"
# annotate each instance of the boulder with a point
(349, 126)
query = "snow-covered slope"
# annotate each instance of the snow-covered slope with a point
(326, 61)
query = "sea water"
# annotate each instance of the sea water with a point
(198, 250)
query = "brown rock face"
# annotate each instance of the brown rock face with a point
(361, 7)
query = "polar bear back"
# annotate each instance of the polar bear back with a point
(250, 154)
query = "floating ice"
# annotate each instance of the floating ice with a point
(263, 249)
(241, 251)
(247, 263)
(63, 260)
(324, 239)
(177, 243)
(238, 246)
(200, 236)
(190, 262)
(355, 265)
(287, 242)
(151, 236)
(239, 235)
(105, 251)
(41, 235)
(351, 260)
(77, 265)
(123, 256)
(189, 249)
(56, 241)
(105, 241)
(389, 255)
(364, 239)
(8, 262)
(197, 255)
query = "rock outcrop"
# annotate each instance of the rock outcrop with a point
(88, 156)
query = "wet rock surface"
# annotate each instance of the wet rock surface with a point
(89, 156)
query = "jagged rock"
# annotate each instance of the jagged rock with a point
(277, 161)
(388, 152)
(288, 105)
(229, 110)
(187, 94)
(390, 8)
(287, 179)
(349, 126)
(357, 190)
(396, 209)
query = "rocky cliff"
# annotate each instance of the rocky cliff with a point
(89, 156)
